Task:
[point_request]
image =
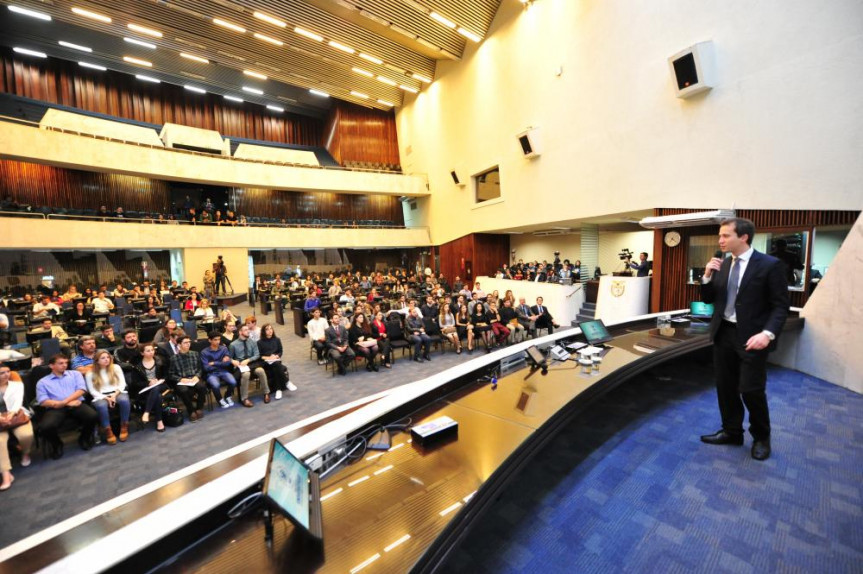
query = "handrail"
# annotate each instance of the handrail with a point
(202, 154)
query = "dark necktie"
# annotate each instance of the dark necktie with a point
(539, 307)
(733, 278)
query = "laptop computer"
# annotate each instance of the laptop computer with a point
(293, 490)
(701, 310)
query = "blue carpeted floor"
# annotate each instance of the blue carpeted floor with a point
(630, 488)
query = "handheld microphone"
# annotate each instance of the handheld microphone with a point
(718, 254)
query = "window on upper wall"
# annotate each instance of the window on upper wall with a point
(487, 185)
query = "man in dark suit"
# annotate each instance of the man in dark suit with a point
(337, 342)
(642, 268)
(543, 320)
(750, 298)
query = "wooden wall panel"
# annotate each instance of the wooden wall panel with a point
(362, 135)
(120, 95)
(318, 205)
(670, 289)
(473, 255)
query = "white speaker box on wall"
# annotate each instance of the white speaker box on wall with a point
(531, 145)
(693, 69)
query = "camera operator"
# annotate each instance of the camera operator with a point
(642, 268)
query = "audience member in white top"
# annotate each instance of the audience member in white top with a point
(204, 310)
(12, 401)
(107, 385)
(317, 333)
(101, 304)
(45, 307)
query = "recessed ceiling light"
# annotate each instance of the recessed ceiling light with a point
(270, 19)
(445, 21)
(409, 89)
(253, 90)
(360, 95)
(75, 46)
(469, 35)
(275, 108)
(371, 59)
(31, 13)
(319, 93)
(195, 89)
(254, 74)
(148, 78)
(234, 99)
(268, 39)
(91, 15)
(341, 47)
(132, 60)
(386, 81)
(92, 66)
(195, 58)
(228, 25)
(30, 52)
(421, 78)
(363, 72)
(308, 34)
(140, 43)
(386, 103)
(145, 30)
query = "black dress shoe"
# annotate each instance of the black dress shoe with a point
(761, 449)
(427, 357)
(722, 437)
(418, 360)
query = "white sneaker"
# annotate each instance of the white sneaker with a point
(322, 362)
(224, 404)
(278, 395)
(230, 401)
(291, 386)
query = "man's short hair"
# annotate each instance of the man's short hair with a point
(742, 226)
(84, 339)
(182, 338)
(127, 331)
(214, 335)
(107, 327)
(644, 253)
(178, 332)
(57, 357)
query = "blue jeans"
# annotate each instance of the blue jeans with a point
(101, 407)
(226, 377)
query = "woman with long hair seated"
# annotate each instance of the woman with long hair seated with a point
(270, 347)
(164, 334)
(362, 341)
(11, 405)
(79, 321)
(447, 327)
(379, 332)
(205, 312)
(229, 335)
(107, 386)
(481, 326)
(464, 326)
(150, 373)
(192, 302)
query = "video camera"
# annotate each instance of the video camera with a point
(625, 254)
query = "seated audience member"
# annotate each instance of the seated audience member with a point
(45, 308)
(312, 302)
(79, 321)
(226, 316)
(150, 373)
(205, 312)
(474, 301)
(61, 393)
(317, 329)
(83, 361)
(229, 335)
(457, 284)
(11, 407)
(184, 375)
(192, 302)
(446, 320)
(362, 341)
(71, 293)
(107, 339)
(338, 344)
(6, 336)
(169, 348)
(526, 317)
(347, 298)
(509, 318)
(153, 315)
(119, 291)
(543, 319)
(464, 326)
(415, 329)
(379, 332)
(218, 369)
(481, 325)
(430, 308)
(501, 331)
(247, 358)
(254, 331)
(478, 290)
(127, 354)
(509, 297)
(164, 334)
(48, 326)
(107, 386)
(270, 347)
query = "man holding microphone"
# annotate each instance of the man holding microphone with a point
(750, 298)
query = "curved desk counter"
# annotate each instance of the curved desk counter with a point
(406, 508)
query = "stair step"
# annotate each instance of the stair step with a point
(587, 305)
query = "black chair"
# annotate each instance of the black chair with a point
(396, 335)
(433, 331)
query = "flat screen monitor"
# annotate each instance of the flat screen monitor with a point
(595, 332)
(701, 310)
(293, 490)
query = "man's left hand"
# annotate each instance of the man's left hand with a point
(757, 342)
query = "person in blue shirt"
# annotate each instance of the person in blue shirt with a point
(217, 364)
(62, 393)
(312, 302)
